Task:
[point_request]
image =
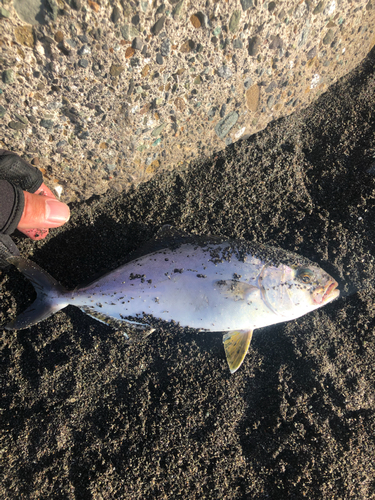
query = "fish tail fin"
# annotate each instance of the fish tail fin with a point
(49, 295)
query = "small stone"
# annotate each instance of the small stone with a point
(311, 53)
(252, 98)
(195, 21)
(116, 14)
(187, 46)
(224, 126)
(137, 43)
(53, 9)
(32, 119)
(303, 36)
(2, 111)
(129, 52)
(158, 130)
(271, 6)
(16, 125)
(95, 7)
(75, 4)
(38, 96)
(83, 38)
(131, 86)
(83, 63)
(4, 13)
(160, 9)
(116, 70)
(197, 80)
(237, 43)
(64, 48)
(328, 37)
(180, 104)
(271, 87)
(254, 46)
(136, 19)
(8, 76)
(145, 71)
(246, 4)
(212, 113)
(248, 83)
(177, 10)
(159, 58)
(225, 72)
(59, 36)
(270, 101)
(20, 118)
(128, 32)
(72, 43)
(223, 110)
(158, 26)
(234, 21)
(46, 123)
(24, 35)
(84, 135)
(84, 50)
(165, 47)
(276, 42)
(319, 8)
(134, 62)
(152, 166)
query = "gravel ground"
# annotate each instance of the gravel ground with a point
(86, 416)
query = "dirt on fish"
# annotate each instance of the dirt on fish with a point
(86, 416)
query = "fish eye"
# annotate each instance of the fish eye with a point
(305, 275)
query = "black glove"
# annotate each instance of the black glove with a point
(16, 176)
(19, 172)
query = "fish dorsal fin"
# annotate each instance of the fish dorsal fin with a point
(236, 290)
(236, 344)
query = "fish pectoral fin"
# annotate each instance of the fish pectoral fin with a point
(236, 290)
(236, 345)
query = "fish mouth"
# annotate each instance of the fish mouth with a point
(322, 295)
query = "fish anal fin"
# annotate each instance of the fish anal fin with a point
(236, 345)
(132, 330)
(236, 290)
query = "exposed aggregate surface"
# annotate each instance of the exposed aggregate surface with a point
(104, 95)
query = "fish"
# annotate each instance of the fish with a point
(208, 283)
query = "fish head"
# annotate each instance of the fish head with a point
(292, 291)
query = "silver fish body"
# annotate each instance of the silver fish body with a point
(228, 286)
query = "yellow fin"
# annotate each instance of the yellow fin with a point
(236, 345)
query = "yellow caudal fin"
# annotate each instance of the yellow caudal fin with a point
(236, 345)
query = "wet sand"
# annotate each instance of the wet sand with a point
(85, 416)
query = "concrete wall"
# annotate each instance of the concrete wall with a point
(104, 95)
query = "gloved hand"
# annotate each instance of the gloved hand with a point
(26, 204)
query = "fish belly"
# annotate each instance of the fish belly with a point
(181, 285)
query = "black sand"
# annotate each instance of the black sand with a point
(86, 416)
